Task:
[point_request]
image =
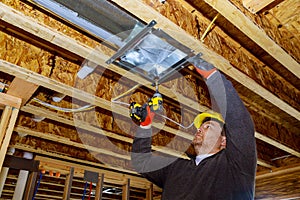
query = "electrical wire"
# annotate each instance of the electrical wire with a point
(48, 105)
(90, 192)
(38, 185)
(89, 107)
(167, 118)
(84, 190)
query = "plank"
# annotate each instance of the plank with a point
(4, 121)
(22, 89)
(68, 184)
(255, 6)
(21, 163)
(8, 134)
(99, 186)
(277, 144)
(126, 190)
(66, 141)
(30, 186)
(278, 171)
(9, 100)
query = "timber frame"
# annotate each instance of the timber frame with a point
(249, 41)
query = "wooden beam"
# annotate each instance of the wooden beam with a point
(276, 144)
(126, 190)
(22, 89)
(278, 171)
(21, 163)
(259, 36)
(7, 130)
(30, 186)
(66, 141)
(255, 6)
(68, 159)
(99, 186)
(4, 122)
(149, 193)
(68, 184)
(264, 164)
(9, 100)
(55, 85)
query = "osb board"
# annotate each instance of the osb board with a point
(274, 23)
(289, 19)
(30, 11)
(278, 132)
(267, 152)
(263, 107)
(228, 48)
(278, 186)
(286, 17)
(24, 54)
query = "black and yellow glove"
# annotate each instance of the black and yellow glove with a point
(138, 113)
(141, 115)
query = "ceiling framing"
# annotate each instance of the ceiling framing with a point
(255, 46)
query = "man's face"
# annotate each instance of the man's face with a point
(208, 135)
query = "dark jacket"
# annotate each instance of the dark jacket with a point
(229, 174)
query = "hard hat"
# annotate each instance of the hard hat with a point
(201, 117)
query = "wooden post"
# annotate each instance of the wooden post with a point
(30, 187)
(8, 120)
(4, 121)
(68, 184)
(99, 186)
(126, 190)
(11, 115)
(149, 192)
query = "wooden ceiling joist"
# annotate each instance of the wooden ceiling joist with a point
(276, 144)
(96, 56)
(9, 100)
(238, 19)
(72, 92)
(57, 86)
(66, 141)
(278, 171)
(141, 81)
(259, 55)
(137, 7)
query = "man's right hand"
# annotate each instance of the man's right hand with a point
(204, 68)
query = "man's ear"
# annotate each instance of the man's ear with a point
(223, 142)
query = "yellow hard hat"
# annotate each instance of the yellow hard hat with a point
(201, 117)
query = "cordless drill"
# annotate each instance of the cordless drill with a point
(139, 113)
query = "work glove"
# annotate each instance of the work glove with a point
(204, 68)
(141, 115)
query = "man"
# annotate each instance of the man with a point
(225, 165)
